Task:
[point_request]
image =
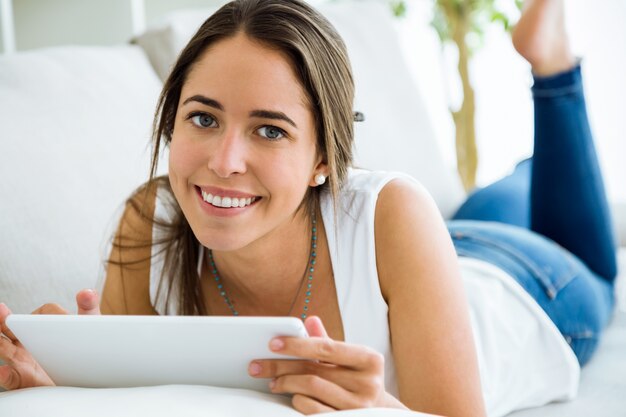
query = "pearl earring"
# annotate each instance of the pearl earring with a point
(320, 179)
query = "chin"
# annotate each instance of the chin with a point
(218, 241)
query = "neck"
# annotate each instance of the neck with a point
(265, 275)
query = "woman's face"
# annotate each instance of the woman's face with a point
(243, 150)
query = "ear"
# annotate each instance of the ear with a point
(320, 168)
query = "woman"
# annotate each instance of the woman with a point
(261, 215)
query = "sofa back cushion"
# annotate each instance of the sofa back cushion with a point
(75, 127)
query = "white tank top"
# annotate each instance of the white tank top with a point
(523, 359)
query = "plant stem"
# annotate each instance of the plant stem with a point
(464, 118)
(458, 16)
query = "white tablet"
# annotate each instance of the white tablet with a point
(127, 351)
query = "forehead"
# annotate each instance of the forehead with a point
(238, 68)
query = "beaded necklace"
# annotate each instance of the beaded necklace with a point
(307, 277)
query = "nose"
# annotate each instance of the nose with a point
(228, 155)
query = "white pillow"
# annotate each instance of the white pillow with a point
(166, 40)
(162, 401)
(74, 132)
(397, 134)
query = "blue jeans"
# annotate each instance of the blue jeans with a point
(548, 223)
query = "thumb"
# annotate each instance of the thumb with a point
(4, 330)
(315, 327)
(88, 302)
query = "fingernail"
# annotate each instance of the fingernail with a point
(272, 384)
(277, 344)
(254, 368)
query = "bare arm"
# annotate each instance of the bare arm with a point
(127, 286)
(431, 336)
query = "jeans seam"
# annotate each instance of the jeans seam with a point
(584, 335)
(551, 290)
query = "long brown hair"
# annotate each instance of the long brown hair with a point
(320, 60)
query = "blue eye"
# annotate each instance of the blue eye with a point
(203, 120)
(271, 132)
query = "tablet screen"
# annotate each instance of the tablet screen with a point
(127, 351)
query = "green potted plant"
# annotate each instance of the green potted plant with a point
(463, 22)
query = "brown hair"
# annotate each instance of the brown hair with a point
(321, 63)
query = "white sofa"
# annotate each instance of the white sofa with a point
(74, 131)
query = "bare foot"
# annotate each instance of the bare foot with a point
(540, 37)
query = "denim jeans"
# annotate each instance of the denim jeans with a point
(548, 224)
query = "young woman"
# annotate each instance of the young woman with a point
(261, 214)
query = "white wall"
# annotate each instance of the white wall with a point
(502, 81)
(6, 25)
(86, 22)
(504, 106)
(42, 23)
(155, 9)
(1, 37)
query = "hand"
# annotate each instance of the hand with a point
(20, 369)
(333, 376)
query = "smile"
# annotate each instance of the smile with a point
(226, 202)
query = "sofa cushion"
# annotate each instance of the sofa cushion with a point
(75, 131)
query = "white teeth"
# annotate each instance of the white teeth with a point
(226, 201)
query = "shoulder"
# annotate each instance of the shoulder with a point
(382, 202)
(403, 194)
(410, 234)
(404, 204)
(371, 182)
(144, 199)
(358, 195)
(144, 206)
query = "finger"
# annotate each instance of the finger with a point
(88, 302)
(273, 368)
(7, 350)
(357, 357)
(50, 309)
(4, 313)
(9, 377)
(315, 327)
(307, 405)
(316, 388)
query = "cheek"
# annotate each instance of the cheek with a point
(293, 172)
(183, 160)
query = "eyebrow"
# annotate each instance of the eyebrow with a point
(206, 101)
(264, 114)
(274, 115)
